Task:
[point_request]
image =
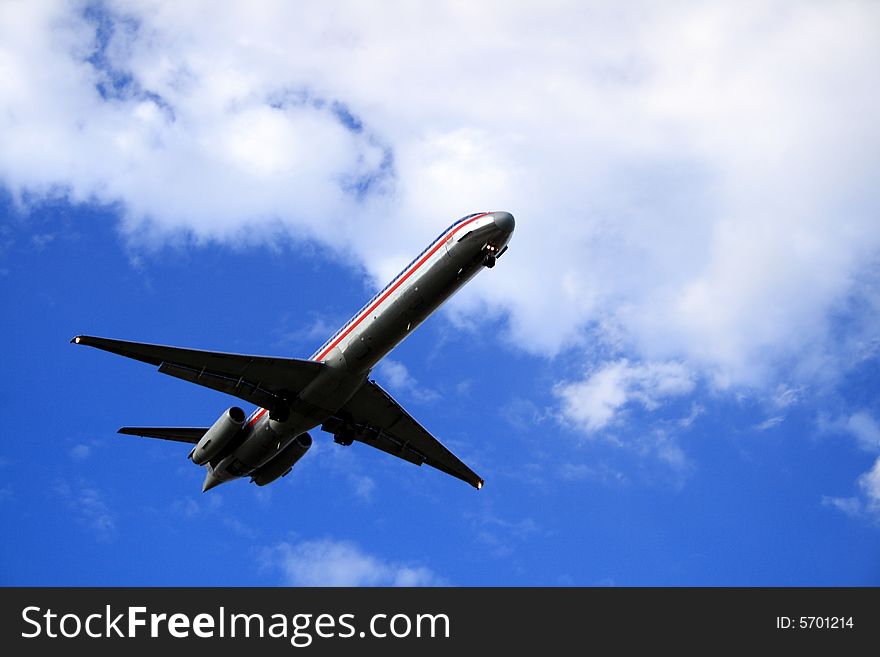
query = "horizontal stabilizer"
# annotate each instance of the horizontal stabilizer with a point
(191, 435)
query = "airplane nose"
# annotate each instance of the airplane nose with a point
(504, 221)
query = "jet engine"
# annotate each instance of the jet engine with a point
(219, 435)
(284, 461)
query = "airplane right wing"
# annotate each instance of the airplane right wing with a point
(261, 380)
(381, 422)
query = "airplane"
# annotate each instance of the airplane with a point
(331, 389)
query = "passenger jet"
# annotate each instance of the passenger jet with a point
(331, 389)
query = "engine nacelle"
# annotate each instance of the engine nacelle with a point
(219, 435)
(282, 462)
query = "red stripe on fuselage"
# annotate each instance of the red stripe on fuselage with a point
(256, 417)
(403, 278)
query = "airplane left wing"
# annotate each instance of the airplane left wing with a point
(381, 422)
(260, 380)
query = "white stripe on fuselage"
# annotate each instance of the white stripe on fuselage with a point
(398, 285)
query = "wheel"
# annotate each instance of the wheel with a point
(280, 414)
(344, 437)
(489, 261)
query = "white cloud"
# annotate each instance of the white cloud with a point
(786, 396)
(186, 507)
(88, 507)
(398, 378)
(693, 183)
(239, 528)
(502, 537)
(596, 401)
(867, 503)
(869, 484)
(667, 450)
(340, 563)
(581, 471)
(96, 512)
(364, 486)
(860, 425)
(308, 333)
(865, 429)
(80, 452)
(696, 411)
(850, 506)
(770, 423)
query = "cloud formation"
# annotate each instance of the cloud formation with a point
(400, 380)
(87, 505)
(863, 428)
(340, 563)
(80, 452)
(694, 184)
(869, 483)
(595, 401)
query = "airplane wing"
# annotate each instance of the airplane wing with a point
(383, 423)
(191, 435)
(260, 380)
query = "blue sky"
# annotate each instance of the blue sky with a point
(671, 378)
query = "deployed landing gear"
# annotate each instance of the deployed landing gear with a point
(343, 432)
(280, 413)
(344, 437)
(489, 260)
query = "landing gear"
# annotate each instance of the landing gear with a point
(345, 432)
(344, 436)
(491, 256)
(280, 413)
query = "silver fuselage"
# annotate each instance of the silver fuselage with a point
(389, 317)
